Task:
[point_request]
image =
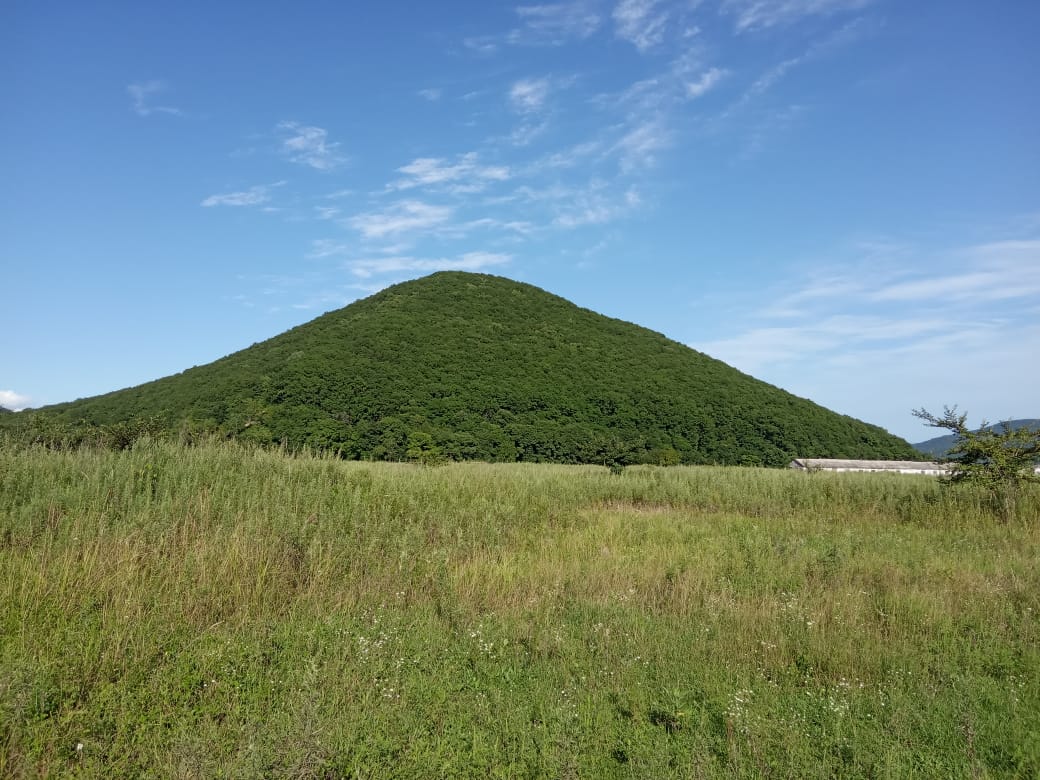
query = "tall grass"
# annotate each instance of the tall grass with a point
(220, 611)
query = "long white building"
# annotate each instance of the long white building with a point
(879, 466)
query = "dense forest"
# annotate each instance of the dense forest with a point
(469, 366)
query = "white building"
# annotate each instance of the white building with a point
(877, 466)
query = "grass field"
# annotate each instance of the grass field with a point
(223, 612)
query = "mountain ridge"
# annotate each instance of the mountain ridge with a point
(940, 445)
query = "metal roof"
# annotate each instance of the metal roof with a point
(872, 465)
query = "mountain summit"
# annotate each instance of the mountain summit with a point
(473, 366)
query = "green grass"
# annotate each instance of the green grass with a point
(219, 611)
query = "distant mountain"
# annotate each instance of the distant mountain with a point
(480, 367)
(940, 445)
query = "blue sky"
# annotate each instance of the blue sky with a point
(839, 197)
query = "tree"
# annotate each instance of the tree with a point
(422, 449)
(999, 459)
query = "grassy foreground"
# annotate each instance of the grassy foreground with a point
(217, 611)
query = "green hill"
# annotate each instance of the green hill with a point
(470, 366)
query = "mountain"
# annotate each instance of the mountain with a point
(473, 366)
(940, 445)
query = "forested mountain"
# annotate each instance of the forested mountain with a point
(471, 366)
(940, 445)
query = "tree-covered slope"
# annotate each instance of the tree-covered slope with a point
(478, 366)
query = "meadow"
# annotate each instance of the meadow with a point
(222, 611)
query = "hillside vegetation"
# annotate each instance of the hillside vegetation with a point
(468, 366)
(220, 611)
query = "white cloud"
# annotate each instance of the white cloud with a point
(596, 206)
(464, 175)
(546, 24)
(9, 399)
(999, 271)
(325, 247)
(142, 92)
(641, 22)
(470, 261)
(481, 44)
(771, 77)
(898, 329)
(836, 39)
(528, 132)
(707, 81)
(406, 215)
(763, 14)
(254, 196)
(431, 94)
(759, 347)
(309, 145)
(685, 78)
(639, 147)
(528, 96)
(571, 156)
(555, 23)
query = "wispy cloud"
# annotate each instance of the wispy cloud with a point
(704, 83)
(326, 247)
(470, 261)
(596, 205)
(142, 93)
(641, 145)
(555, 23)
(254, 196)
(528, 132)
(465, 175)
(9, 399)
(762, 14)
(686, 78)
(400, 217)
(570, 157)
(432, 94)
(877, 304)
(998, 271)
(484, 45)
(768, 79)
(641, 22)
(898, 329)
(833, 333)
(309, 145)
(843, 36)
(545, 24)
(528, 96)
(772, 76)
